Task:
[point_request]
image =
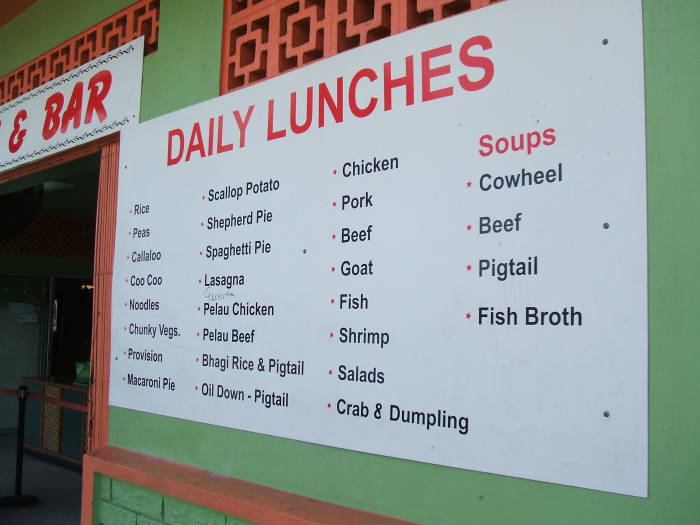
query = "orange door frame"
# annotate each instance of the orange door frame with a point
(98, 396)
(100, 349)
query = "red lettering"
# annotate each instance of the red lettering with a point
(181, 136)
(99, 86)
(74, 109)
(429, 73)
(528, 142)
(324, 99)
(196, 142)
(243, 124)
(210, 137)
(52, 121)
(354, 108)
(485, 142)
(476, 61)
(18, 134)
(220, 146)
(391, 83)
(502, 145)
(533, 140)
(296, 128)
(521, 142)
(549, 136)
(271, 134)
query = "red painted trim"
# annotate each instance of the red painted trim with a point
(58, 159)
(232, 496)
(105, 232)
(87, 503)
(5, 392)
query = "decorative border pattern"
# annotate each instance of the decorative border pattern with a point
(66, 78)
(139, 19)
(264, 38)
(74, 141)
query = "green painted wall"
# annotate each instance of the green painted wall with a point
(428, 493)
(48, 23)
(182, 72)
(119, 503)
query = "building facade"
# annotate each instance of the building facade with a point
(141, 467)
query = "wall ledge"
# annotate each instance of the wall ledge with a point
(229, 495)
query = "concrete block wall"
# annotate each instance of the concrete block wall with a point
(120, 503)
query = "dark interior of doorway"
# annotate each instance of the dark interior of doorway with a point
(47, 233)
(73, 326)
(47, 229)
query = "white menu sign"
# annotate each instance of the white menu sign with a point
(432, 247)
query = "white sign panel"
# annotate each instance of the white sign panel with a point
(432, 247)
(87, 103)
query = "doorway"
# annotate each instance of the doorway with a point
(47, 247)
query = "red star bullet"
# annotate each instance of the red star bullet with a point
(469, 184)
(199, 308)
(332, 301)
(330, 372)
(196, 388)
(201, 224)
(197, 359)
(331, 334)
(468, 316)
(200, 281)
(334, 204)
(197, 334)
(332, 268)
(469, 267)
(329, 405)
(200, 253)
(333, 236)
(469, 227)
(202, 197)
(334, 172)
